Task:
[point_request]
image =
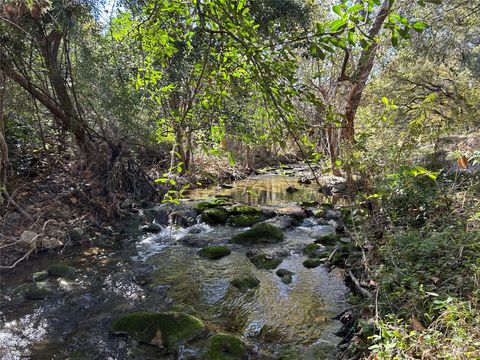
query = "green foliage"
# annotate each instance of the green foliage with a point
(411, 196)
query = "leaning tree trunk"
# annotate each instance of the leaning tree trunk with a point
(362, 72)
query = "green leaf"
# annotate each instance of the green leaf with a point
(337, 25)
(419, 26)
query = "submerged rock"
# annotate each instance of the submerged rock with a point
(225, 347)
(285, 275)
(246, 282)
(267, 262)
(215, 216)
(166, 330)
(40, 275)
(313, 250)
(312, 263)
(214, 252)
(38, 291)
(195, 240)
(244, 220)
(61, 270)
(259, 233)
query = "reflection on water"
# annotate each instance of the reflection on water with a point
(263, 190)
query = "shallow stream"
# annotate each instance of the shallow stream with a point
(158, 272)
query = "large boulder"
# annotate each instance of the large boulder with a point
(259, 233)
(166, 330)
(225, 347)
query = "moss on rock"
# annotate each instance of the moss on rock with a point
(312, 263)
(285, 275)
(263, 261)
(161, 329)
(245, 209)
(312, 250)
(215, 216)
(259, 233)
(40, 275)
(246, 282)
(214, 252)
(61, 270)
(38, 291)
(225, 347)
(205, 205)
(329, 239)
(244, 220)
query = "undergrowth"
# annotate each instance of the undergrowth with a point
(427, 266)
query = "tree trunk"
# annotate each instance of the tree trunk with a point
(363, 69)
(72, 120)
(3, 144)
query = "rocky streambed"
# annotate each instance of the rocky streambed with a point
(233, 273)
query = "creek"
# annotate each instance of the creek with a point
(135, 271)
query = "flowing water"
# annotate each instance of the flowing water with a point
(161, 272)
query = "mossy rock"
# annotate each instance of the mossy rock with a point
(329, 239)
(246, 282)
(286, 276)
(38, 291)
(245, 209)
(225, 347)
(308, 203)
(244, 220)
(40, 275)
(205, 205)
(214, 252)
(166, 330)
(312, 250)
(259, 233)
(215, 216)
(266, 262)
(61, 270)
(312, 263)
